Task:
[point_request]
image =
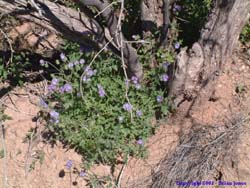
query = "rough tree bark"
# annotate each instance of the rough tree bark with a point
(194, 80)
(197, 69)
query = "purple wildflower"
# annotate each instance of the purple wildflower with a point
(70, 65)
(43, 103)
(42, 62)
(62, 56)
(85, 78)
(67, 88)
(120, 119)
(54, 114)
(82, 61)
(69, 164)
(164, 77)
(101, 91)
(89, 72)
(177, 45)
(134, 79)
(140, 142)
(159, 99)
(51, 88)
(128, 107)
(82, 173)
(139, 113)
(54, 81)
(177, 8)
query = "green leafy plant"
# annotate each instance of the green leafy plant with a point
(245, 34)
(12, 68)
(93, 108)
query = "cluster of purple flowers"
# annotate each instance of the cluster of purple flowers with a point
(66, 88)
(128, 107)
(101, 91)
(135, 81)
(72, 64)
(53, 85)
(54, 117)
(164, 77)
(88, 73)
(69, 164)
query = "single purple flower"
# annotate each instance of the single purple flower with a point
(120, 119)
(164, 77)
(82, 173)
(137, 86)
(43, 103)
(54, 114)
(139, 113)
(159, 99)
(62, 57)
(140, 142)
(177, 7)
(177, 45)
(82, 61)
(42, 62)
(128, 107)
(68, 88)
(70, 65)
(54, 81)
(101, 91)
(69, 164)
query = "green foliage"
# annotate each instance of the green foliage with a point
(90, 122)
(245, 34)
(192, 18)
(12, 68)
(1, 153)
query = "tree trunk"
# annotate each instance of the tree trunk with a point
(194, 80)
(197, 69)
